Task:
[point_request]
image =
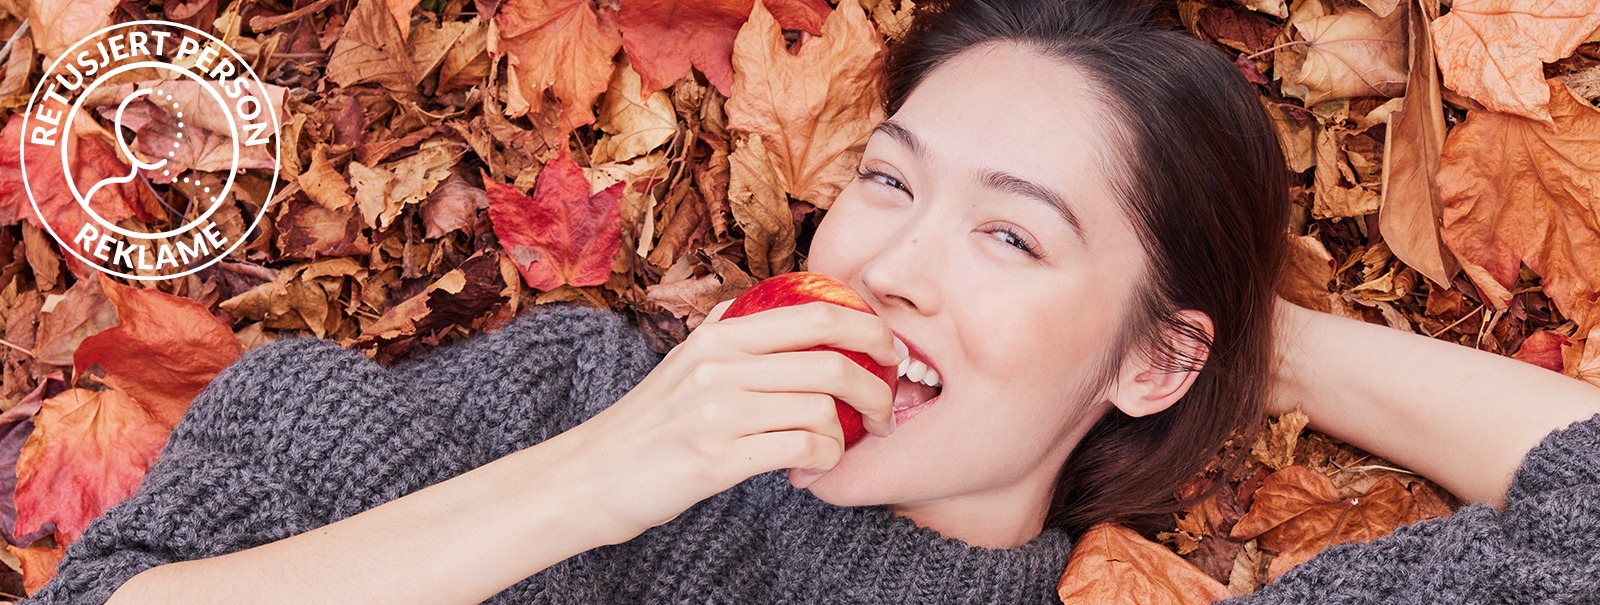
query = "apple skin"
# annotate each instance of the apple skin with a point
(802, 287)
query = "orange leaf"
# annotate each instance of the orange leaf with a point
(372, 48)
(38, 565)
(1543, 349)
(664, 37)
(88, 451)
(813, 109)
(1298, 512)
(1409, 216)
(93, 159)
(1517, 191)
(1494, 50)
(164, 351)
(1114, 564)
(561, 235)
(560, 45)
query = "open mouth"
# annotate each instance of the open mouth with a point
(918, 389)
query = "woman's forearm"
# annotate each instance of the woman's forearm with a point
(458, 541)
(1461, 417)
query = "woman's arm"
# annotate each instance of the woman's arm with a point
(461, 540)
(1461, 417)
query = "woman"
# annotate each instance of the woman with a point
(1072, 221)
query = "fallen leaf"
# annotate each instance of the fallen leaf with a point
(561, 235)
(372, 48)
(1114, 564)
(665, 37)
(461, 295)
(1520, 191)
(58, 24)
(1298, 512)
(88, 451)
(760, 209)
(563, 46)
(38, 565)
(94, 160)
(635, 124)
(15, 426)
(452, 206)
(813, 109)
(1494, 50)
(163, 351)
(1274, 447)
(1352, 53)
(67, 319)
(1276, 8)
(383, 191)
(1411, 212)
(1543, 349)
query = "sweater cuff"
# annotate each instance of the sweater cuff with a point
(1565, 458)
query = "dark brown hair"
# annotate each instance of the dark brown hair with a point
(1199, 174)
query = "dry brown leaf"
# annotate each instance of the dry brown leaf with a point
(323, 184)
(1353, 53)
(66, 319)
(1298, 512)
(813, 108)
(373, 49)
(382, 192)
(57, 25)
(760, 209)
(1114, 564)
(1276, 8)
(1274, 447)
(1516, 190)
(1339, 193)
(1493, 50)
(635, 125)
(1411, 210)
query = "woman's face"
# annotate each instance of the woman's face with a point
(998, 151)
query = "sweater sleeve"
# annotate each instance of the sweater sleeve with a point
(1543, 548)
(301, 433)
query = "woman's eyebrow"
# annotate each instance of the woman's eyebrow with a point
(994, 179)
(904, 136)
(1010, 183)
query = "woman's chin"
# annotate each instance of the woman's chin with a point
(840, 488)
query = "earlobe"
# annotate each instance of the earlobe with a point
(1148, 387)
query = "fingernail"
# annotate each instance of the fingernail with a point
(900, 349)
(892, 423)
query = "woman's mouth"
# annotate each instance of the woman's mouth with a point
(919, 387)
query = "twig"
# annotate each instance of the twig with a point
(21, 29)
(17, 347)
(1457, 322)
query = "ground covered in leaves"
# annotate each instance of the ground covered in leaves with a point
(448, 163)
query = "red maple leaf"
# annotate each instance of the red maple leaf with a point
(88, 451)
(164, 350)
(664, 37)
(93, 160)
(561, 235)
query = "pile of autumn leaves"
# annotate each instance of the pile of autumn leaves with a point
(449, 162)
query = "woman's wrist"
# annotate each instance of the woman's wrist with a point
(1292, 327)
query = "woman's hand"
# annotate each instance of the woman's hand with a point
(737, 398)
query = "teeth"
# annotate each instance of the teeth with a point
(917, 371)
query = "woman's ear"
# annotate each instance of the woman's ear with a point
(1146, 386)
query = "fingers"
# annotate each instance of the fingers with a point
(715, 315)
(765, 452)
(824, 372)
(813, 324)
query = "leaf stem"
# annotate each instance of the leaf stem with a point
(1278, 47)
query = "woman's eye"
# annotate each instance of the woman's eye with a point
(1018, 241)
(881, 179)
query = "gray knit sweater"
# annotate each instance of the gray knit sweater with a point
(301, 433)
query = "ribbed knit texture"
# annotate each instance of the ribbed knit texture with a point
(301, 433)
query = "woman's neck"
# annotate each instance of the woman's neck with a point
(990, 519)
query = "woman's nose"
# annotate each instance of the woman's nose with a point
(907, 272)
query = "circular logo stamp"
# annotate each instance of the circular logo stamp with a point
(137, 144)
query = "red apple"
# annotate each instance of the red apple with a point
(803, 287)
